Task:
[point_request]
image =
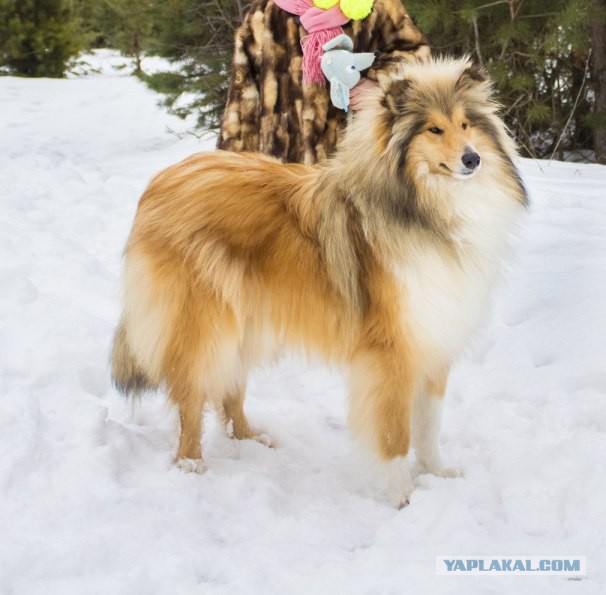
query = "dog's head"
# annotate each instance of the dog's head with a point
(428, 130)
(440, 119)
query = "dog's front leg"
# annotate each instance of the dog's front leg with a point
(382, 387)
(426, 423)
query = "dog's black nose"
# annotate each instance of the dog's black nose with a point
(471, 160)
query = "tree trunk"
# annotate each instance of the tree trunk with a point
(598, 43)
(137, 52)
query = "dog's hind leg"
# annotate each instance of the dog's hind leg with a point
(426, 421)
(382, 391)
(191, 409)
(235, 419)
(188, 396)
(187, 380)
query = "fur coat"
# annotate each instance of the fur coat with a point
(268, 108)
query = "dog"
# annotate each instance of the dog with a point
(380, 259)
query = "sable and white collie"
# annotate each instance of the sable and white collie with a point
(381, 258)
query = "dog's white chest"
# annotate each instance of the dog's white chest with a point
(441, 303)
(445, 296)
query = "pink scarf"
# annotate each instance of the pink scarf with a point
(321, 26)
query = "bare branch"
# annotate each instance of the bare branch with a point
(574, 107)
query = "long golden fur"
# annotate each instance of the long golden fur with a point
(380, 258)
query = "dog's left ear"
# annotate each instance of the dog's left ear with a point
(473, 75)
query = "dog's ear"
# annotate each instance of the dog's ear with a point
(396, 95)
(474, 75)
(475, 82)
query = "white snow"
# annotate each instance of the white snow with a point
(89, 499)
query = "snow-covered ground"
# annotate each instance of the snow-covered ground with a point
(89, 499)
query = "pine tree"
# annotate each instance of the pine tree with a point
(126, 25)
(38, 37)
(198, 37)
(598, 39)
(537, 52)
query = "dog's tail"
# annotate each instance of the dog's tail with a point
(127, 374)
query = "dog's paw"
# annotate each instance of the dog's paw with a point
(403, 502)
(247, 433)
(401, 499)
(263, 439)
(191, 465)
(447, 472)
(437, 470)
(398, 481)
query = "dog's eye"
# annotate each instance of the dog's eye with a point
(436, 130)
(464, 125)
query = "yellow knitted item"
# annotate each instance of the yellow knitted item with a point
(325, 4)
(354, 9)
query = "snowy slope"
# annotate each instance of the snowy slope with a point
(89, 500)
